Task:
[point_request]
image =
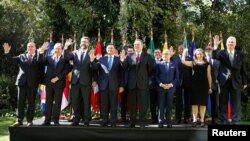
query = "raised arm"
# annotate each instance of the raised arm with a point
(8, 54)
(183, 59)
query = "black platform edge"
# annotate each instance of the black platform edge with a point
(93, 133)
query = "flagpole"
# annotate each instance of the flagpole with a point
(124, 41)
(74, 41)
(50, 36)
(99, 35)
(221, 38)
(112, 36)
(210, 38)
(62, 39)
(192, 35)
(136, 35)
(165, 46)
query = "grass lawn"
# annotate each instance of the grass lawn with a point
(5, 122)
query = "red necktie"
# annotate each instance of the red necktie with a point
(30, 58)
(137, 58)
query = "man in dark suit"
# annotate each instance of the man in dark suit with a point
(29, 76)
(57, 69)
(183, 89)
(81, 81)
(166, 76)
(109, 81)
(124, 96)
(215, 64)
(153, 88)
(139, 65)
(232, 78)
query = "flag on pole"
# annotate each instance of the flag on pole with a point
(65, 96)
(151, 44)
(41, 89)
(165, 46)
(193, 46)
(152, 47)
(184, 39)
(95, 91)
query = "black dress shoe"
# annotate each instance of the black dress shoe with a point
(160, 125)
(169, 126)
(113, 125)
(142, 125)
(18, 123)
(46, 124)
(194, 124)
(104, 124)
(131, 125)
(86, 124)
(186, 121)
(56, 124)
(178, 121)
(74, 123)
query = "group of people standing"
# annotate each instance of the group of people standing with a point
(138, 75)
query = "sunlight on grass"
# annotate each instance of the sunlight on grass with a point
(5, 122)
(4, 138)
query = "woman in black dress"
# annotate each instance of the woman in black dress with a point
(201, 84)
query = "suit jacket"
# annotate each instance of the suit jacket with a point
(109, 79)
(30, 74)
(152, 80)
(163, 75)
(60, 70)
(185, 72)
(82, 71)
(138, 74)
(214, 73)
(236, 71)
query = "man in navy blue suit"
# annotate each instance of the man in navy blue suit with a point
(109, 82)
(81, 81)
(215, 65)
(183, 89)
(167, 76)
(57, 69)
(232, 78)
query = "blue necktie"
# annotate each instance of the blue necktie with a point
(167, 66)
(109, 62)
(56, 61)
(82, 55)
(231, 57)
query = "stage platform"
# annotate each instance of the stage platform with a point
(65, 132)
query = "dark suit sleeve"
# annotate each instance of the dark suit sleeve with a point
(243, 71)
(68, 55)
(10, 57)
(157, 67)
(42, 59)
(124, 64)
(176, 78)
(216, 54)
(65, 71)
(151, 64)
(94, 65)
